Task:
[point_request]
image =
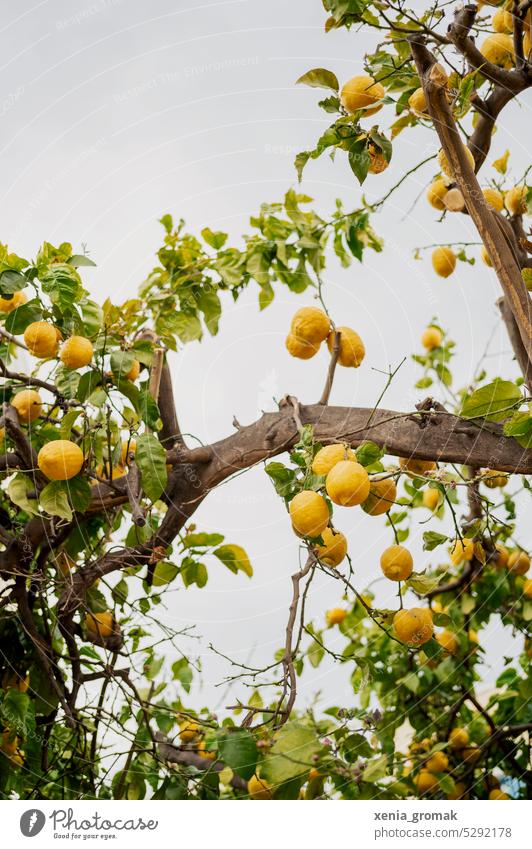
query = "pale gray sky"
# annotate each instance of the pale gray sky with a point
(116, 111)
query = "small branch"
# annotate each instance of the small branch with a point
(185, 757)
(133, 489)
(325, 395)
(290, 677)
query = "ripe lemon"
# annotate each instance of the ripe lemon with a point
(397, 563)
(445, 165)
(41, 339)
(9, 304)
(310, 324)
(416, 468)
(362, 92)
(431, 499)
(448, 641)
(413, 627)
(518, 562)
(347, 484)
(454, 200)
(100, 624)
(309, 513)
(382, 495)
(60, 460)
(493, 479)
(498, 795)
(459, 791)
(436, 193)
(527, 588)
(258, 788)
(329, 456)
(203, 752)
(431, 338)
(134, 371)
(494, 198)
(486, 259)
(426, 782)
(299, 348)
(500, 556)
(128, 448)
(335, 616)
(334, 549)
(443, 261)
(378, 162)
(515, 200)
(470, 754)
(438, 762)
(458, 738)
(28, 405)
(462, 550)
(418, 103)
(498, 49)
(189, 730)
(352, 350)
(76, 352)
(502, 21)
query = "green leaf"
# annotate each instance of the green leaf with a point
(432, 540)
(291, 755)
(520, 427)
(187, 326)
(88, 382)
(121, 363)
(266, 296)
(359, 159)
(79, 492)
(215, 239)
(67, 423)
(183, 673)
(368, 453)
(375, 769)
(17, 491)
(150, 457)
(202, 540)
(283, 478)
(54, 500)
(300, 161)
(164, 573)
(19, 319)
(92, 317)
(422, 583)
(67, 382)
(492, 402)
(11, 281)
(238, 751)
(79, 260)
(235, 558)
(320, 78)
(14, 709)
(210, 306)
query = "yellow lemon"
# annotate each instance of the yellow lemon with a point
(129, 446)
(416, 468)
(498, 49)
(329, 456)
(335, 616)
(28, 405)
(436, 193)
(448, 641)
(7, 305)
(60, 460)
(134, 371)
(494, 198)
(309, 513)
(352, 350)
(381, 498)
(426, 782)
(189, 730)
(459, 791)
(258, 788)
(334, 547)
(431, 499)
(362, 92)
(470, 754)
(76, 352)
(515, 200)
(462, 550)
(438, 762)
(347, 484)
(100, 624)
(397, 563)
(497, 795)
(443, 261)
(527, 588)
(413, 627)
(41, 339)
(378, 162)
(299, 348)
(502, 21)
(418, 103)
(310, 324)
(431, 338)
(493, 479)
(445, 165)
(518, 562)
(458, 738)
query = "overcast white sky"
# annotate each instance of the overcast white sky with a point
(116, 111)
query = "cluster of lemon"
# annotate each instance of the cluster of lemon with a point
(462, 756)
(310, 327)
(498, 48)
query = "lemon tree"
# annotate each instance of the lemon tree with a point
(98, 699)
